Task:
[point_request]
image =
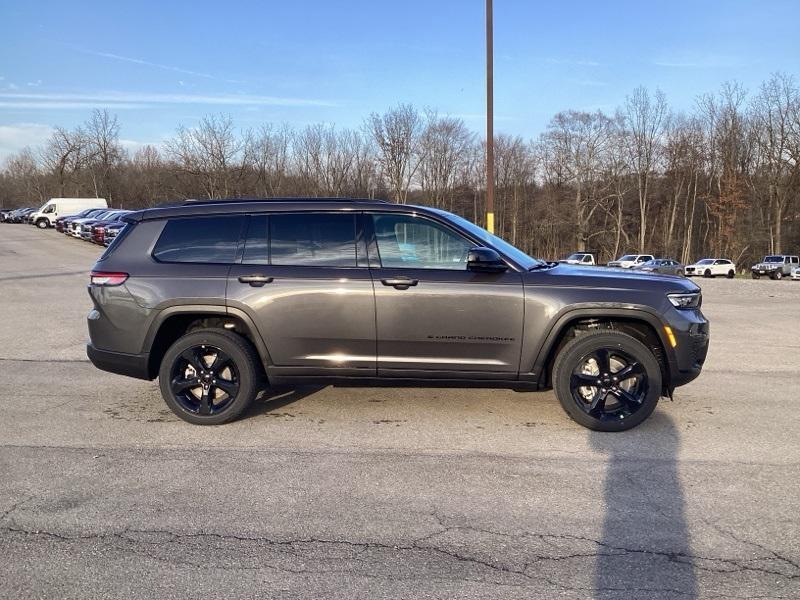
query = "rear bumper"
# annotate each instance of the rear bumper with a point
(131, 365)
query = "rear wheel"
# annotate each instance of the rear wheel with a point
(209, 377)
(607, 381)
(731, 274)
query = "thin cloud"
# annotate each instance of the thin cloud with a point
(17, 136)
(147, 63)
(703, 62)
(38, 105)
(571, 61)
(124, 98)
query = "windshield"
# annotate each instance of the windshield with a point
(628, 257)
(706, 261)
(577, 256)
(652, 263)
(500, 244)
(778, 259)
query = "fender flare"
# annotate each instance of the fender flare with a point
(207, 309)
(560, 321)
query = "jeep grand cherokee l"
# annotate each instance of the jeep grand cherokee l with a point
(216, 298)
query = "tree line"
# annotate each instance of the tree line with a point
(722, 180)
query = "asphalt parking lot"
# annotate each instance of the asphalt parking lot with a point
(390, 493)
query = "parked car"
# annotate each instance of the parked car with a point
(4, 213)
(111, 231)
(85, 228)
(20, 215)
(215, 297)
(665, 266)
(74, 225)
(775, 266)
(46, 216)
(711, 267)
(630, 260)
(96, 231)
(62, 223)
(580, 258)
(796, 274)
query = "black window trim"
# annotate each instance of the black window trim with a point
(358, 239)
(243, 221)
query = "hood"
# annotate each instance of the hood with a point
(604, 277)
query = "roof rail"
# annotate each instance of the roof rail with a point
(194, 201)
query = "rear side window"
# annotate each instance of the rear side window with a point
(199, 240)
(314, 240)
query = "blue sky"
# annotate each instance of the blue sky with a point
(160, 64)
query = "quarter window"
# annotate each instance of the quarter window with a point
(414, 242)
(199, 240)
(315, 240)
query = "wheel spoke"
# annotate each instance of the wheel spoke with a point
(598, 403)
(179, 384)
(603, 358)
(627, 398)
(628, 371)
(220, 360)
(584, 380)
(229, 387)
(205, 402)
(192, 356)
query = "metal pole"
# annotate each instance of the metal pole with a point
(489, 118)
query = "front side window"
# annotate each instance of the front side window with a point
(199, 240)
(51, 208)
(313, 240)
(406, 241)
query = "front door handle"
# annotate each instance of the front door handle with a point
(400, 283)
(255, 280)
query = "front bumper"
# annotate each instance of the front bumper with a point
(131, 365)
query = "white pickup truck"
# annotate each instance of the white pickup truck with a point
(580, 258)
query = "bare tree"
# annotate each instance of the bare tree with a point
(104, 152)
(443, 145)
(646, 120)
(64, 154)
(396, 133)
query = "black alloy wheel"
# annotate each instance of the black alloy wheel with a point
(607, 380)
(210, 376)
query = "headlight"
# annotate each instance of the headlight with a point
(685, 301)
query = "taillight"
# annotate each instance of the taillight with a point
(104, 278)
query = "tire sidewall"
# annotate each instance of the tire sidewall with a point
(575, 350)
(237, 348)
(42, 224)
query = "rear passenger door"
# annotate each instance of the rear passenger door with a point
(303, 279)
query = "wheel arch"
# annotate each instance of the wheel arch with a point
(174, 322)
(640, 324)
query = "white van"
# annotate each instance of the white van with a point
(63, 207)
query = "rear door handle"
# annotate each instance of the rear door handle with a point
(400, 283)
(255, 280)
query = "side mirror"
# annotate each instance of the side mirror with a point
(485, 260)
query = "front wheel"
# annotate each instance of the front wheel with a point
(42, 224)
(756, 276)
(707, 273)
(607, 381)
(777, 275)
(209, 377)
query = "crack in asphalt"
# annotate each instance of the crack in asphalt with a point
(424, 544)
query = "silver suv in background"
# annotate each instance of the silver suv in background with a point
(775, 266)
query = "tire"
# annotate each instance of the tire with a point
(731, 274)
(707, 273)
(778, 275)
(42, 224)
(621, 351)
(755, 276)
(206, 403)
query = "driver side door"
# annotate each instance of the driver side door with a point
(435, 318)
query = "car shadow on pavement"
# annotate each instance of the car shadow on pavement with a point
(645, 550)
(272, 399)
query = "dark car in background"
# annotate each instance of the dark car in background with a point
(97, 229)
(111, 231)
(665, 266)
(72, 224)
(85, 228)
(19, 215)
(216, 297)
(63, 224)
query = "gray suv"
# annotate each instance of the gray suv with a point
(776, 266)
(220, 298)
